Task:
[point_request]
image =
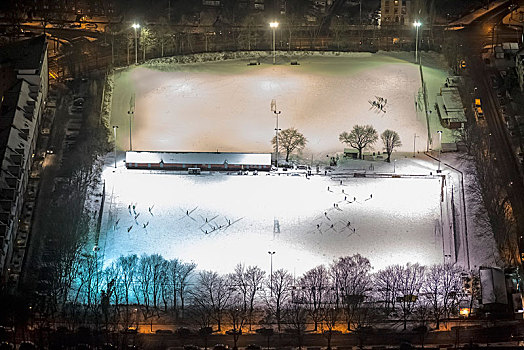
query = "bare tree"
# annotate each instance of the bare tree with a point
(127, 267)
(184, 279)
(411, 279)
(350, 275)
(296, 318)
(173, 270)
(289, 140)
(386, 285)
(238, 277)
(111, 294)
(442, 285)
(237, 316)
(143, 286)
(315, 285)
(146, 40)
(330, 316)
(162, 34)
(212, 293)
(391, 141)
(255, 279)
(282, 285)
(360, 137)
(248, 33)
(249, 284)
(158, 266)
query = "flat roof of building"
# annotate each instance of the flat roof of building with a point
(24, 54)
(145, 157)
(453, 115)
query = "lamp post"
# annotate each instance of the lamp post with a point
(130, 113)
(417, 24)
(440, 148)
(135, 27)
(274, 26)
(271, 271)
(277, 113)
(114, 131)
(414, 144)
(394, 166)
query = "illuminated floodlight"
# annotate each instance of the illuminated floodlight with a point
(135, 26)
(416, 24)
(274, 25)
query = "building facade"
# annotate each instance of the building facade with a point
(206, 161)
(395, 12)
(21, 109)
(519, 67)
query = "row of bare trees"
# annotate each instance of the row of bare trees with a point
(362, 136)
(344, 295)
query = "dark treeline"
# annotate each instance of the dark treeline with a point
(345, 295)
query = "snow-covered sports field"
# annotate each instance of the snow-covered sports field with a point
(220, 220)
(225, 105)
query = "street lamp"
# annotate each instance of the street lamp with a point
(114, 131)
(274, 26)
(277, 113)
(414, 144)
(131, 112)
(440, 148)
(271, 271)
(394, 166)
(135, 27)
(417, 24)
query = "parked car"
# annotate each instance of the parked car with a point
(164, 331)
(79, 102)
(253, 347)
(191, 347)
(220, 347)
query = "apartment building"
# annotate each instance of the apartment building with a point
(395, 12)
(519, 67)
(25, 66)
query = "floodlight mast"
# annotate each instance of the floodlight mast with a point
(274, 25)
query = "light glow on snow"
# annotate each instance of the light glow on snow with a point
(394, 219)
(226, 105)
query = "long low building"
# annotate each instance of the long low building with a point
(202, 160)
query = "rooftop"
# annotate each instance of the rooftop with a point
(24, 54)
(199, 158)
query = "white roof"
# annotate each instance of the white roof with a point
(199, 158)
